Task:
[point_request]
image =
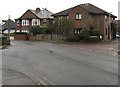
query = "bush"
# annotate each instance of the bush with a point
(41, 30)
(73, 38)
(86, 33)
(20, 33)
(93, 39)
(11, 34)
(36, 30)
(94, 33)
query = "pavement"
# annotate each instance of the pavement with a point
(108, 47)
(56, 64)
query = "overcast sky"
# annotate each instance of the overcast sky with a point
(15, 8)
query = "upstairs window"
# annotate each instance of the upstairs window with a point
(25, 22)
(35, 21)
(18, 23)
(44, 20)
(78, 16)
(106, 17)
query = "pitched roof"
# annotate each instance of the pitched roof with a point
(63, 13)
(43, 13)
(9, 24)
(89, 7)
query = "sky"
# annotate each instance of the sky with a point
(15, 8)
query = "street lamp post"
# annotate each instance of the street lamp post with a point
(109, 24)
(9, 29)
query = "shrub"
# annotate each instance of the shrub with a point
(41, 30)
(94, 33)
(73, 38)
(20, 33)
(93, 39)
(86, 35)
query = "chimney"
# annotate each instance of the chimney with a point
(37, 10)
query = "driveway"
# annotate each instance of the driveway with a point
(54, 64)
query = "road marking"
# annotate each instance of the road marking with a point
(21, 73)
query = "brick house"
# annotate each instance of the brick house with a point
(32, 18)
(8, 24)
(88, 16)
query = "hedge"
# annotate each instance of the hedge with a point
(86, 35)
(20, 33)
(73, 39)
(93, 39)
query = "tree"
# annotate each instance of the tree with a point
(117, 28)
(38, 29)
(66, 25)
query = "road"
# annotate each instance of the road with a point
(54, 64)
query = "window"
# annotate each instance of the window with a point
(18, 23)
(54, 22)
(25, 31)
(35, 21)
(78, 31)
(44, 20)
(17, 30)
(78, 16)
(25, 22)
(112, 19)
(67, 17)
(106, 17)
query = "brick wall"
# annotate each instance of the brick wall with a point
(20, 37)
(31, 37)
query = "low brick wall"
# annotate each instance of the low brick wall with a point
(31, 37)
(20, 37)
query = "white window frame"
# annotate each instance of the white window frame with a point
(35, 22)
(17, 30)
(78, 16)
(106, 17)
(25, 22)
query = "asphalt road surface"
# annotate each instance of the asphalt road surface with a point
(54, 64)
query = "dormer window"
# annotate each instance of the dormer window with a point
(18, 23)
(78, 16)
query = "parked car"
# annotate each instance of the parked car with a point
(4, 40)
(118, 35)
